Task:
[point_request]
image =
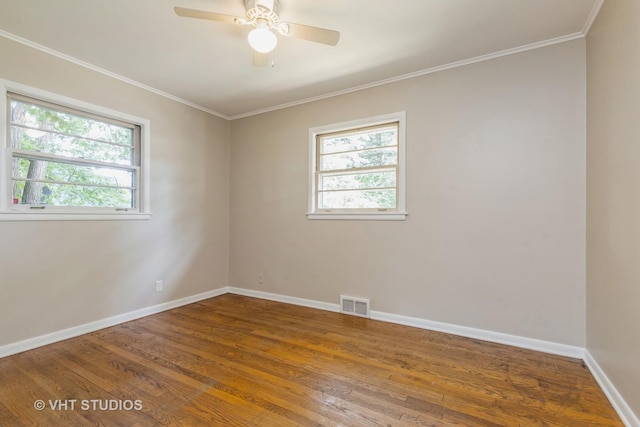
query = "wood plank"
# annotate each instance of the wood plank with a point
(239, 361)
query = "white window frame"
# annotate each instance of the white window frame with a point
(9, 212)
(397, 214)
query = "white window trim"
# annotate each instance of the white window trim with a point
(7, 213)
(397, 215)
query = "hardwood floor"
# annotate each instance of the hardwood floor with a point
(238, 361)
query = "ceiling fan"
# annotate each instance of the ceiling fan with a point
(263, 15)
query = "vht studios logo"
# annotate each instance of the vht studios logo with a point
(88, 405)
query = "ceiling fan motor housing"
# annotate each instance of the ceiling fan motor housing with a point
(262, 9)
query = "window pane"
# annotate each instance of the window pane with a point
(357, 199)
(358, 181)
(38, 193)
(48, 119)
(65, 172)
(31, 193)
(68, 146)
(359, 159)
(358, 140)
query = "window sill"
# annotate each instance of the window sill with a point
(360, 216)
(84, 216)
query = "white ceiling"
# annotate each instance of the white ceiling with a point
(209, 63)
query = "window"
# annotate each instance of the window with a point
(68, 160)
(357, 169)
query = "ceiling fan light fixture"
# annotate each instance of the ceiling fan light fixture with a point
(263, 16)
(262, 40)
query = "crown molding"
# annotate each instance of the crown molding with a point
(84, 64)
(461, 63)
(592, 17)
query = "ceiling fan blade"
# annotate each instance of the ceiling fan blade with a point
(260, 59)
(201, 14)
(314, 34)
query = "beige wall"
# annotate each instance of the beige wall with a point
(55, 275)
(495, 237)
(613, 195)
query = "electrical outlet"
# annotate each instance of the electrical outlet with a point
(159, 285)
(261, 278)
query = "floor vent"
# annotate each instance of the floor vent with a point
(354, 306)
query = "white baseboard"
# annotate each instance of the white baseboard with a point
(286, 299)
(482, 334)
(617, 401)
(517, 341)
(29, 344)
